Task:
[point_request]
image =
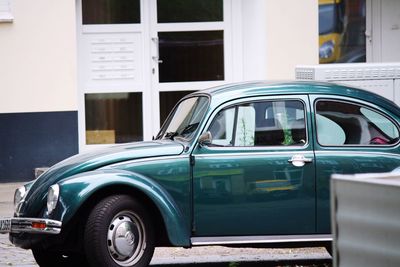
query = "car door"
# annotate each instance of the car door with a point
(353, 136)
(257, 175)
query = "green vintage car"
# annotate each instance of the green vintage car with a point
(237, 165)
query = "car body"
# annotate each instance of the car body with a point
(242, 164)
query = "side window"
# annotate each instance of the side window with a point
(340, 123)
(221, 128)
(268, 123)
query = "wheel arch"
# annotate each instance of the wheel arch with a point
(82, 192)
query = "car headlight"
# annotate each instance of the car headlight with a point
(19, 196)
(326, 49)
(52, 197)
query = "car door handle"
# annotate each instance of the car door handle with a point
(299, 160)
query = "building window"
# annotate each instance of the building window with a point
(5, 11)
(110, 11)
(170, 11)
(113, 118)
(342, 25)
(191, 56)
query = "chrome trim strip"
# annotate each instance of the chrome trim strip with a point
(237, 240)
(341, 152)
(292, 152)
(24, 225)
(258, 148)
(158, 158)
(256, 154)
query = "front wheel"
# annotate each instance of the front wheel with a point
(119, 233)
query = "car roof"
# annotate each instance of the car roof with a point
(227, 92)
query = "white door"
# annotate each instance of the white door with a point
(383, 30)
(191, 49)
(390, 31)
(136, 58)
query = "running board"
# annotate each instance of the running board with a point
(238, 240)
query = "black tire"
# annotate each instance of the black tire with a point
(119, 232)
(47, 258)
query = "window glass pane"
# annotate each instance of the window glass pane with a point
(380, 123)
(113, 118)
(271, 123)
(110, 11)
(185, 119)
(221, 128)
(168, 101)
(342, 27)
(280, 123)
(329, 132)
(340, 123)
(191, 56)
(189, 10)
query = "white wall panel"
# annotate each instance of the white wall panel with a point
(38, 57)
(292, 36)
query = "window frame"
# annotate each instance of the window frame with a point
(374, 109)
(260, 147)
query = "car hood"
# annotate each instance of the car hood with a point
(90, 161)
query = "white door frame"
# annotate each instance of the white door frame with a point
(225, 25)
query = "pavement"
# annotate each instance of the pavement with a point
(195, 257)
(6, 198)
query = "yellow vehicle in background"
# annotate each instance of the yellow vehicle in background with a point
(331, 26)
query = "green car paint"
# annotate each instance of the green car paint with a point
(82, 163)
(77, 190)
(204, 191)
(225, 202)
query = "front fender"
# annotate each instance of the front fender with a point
(76, 190)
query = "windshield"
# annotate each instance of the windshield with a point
(185, 119)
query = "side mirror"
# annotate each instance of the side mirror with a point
(205, 139)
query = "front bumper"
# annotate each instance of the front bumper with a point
(30, 225)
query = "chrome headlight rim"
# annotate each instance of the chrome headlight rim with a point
(19, 196)
(53, 195)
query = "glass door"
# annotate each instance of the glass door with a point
(113, 86)
(137, 58)
(191, 49)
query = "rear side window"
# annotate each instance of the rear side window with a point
(342, 123)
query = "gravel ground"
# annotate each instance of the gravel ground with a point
(199, 256)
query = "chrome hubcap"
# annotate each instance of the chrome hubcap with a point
(126, 238)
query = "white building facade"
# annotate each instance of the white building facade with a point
(77, 75)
